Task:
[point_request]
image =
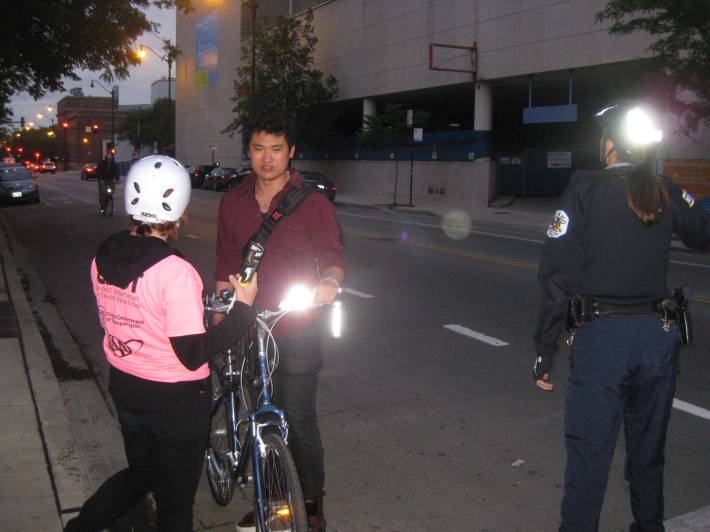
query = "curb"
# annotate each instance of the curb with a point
(63, 465)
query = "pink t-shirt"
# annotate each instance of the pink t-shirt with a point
(138, 320)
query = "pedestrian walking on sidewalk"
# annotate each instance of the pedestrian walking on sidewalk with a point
(603, 272)
(150, 306)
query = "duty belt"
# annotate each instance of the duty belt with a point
(669, 309)
(583, 309)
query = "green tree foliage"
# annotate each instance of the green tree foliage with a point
(681, 50)
(47, 40)
(284, 80)
(389, 127)
(144, 127)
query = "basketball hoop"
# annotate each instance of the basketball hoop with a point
(453, 58)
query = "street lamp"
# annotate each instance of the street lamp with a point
(113, 96)
(169, 57)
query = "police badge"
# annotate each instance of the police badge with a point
(558, 227)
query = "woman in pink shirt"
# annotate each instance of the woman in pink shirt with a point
(150, 305)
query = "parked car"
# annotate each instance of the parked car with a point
(17, 184)
(198, 173)
(88, 171)
(218, 179)
(319, 181)
(48, 166)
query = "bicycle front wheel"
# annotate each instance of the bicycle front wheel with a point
(109, 206)
(284, 509)
(218, 462)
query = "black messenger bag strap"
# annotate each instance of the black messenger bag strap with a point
(256, 246)
(288, 203)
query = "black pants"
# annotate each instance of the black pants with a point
(102, 185)
(624, 367)
(295, 389)
(165, 454)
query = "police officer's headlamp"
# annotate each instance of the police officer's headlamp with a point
(639, 128)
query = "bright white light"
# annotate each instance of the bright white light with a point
(336, 320)
(640, 129)
(297, 298)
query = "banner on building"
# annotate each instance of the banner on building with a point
(206, 52)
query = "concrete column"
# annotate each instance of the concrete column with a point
(369, 108)
(483, 107)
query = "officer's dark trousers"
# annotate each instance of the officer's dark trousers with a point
(295, 390)
(624, 366)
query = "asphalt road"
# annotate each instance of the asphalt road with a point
(429, 415)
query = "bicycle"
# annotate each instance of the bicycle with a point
(106, 198)
(246, 432)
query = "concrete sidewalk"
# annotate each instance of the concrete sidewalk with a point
(41, 476)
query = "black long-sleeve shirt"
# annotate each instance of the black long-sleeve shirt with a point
(596, 246)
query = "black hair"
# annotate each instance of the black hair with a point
(272, 122)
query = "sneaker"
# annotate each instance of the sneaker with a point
(314, 512)
(316, 523)
(247, 523)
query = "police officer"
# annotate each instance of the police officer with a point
(607, 249)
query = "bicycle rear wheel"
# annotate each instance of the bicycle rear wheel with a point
(218, 462)
(284, 509)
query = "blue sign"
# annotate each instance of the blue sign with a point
(550, 114)
(206, 52)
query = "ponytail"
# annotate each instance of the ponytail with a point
(647, 196)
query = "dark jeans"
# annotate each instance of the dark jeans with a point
(164, 453)
(295, 389)
(624, 367)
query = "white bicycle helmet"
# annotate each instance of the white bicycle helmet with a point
(157, 189)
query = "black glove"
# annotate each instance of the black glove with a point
(542, 365)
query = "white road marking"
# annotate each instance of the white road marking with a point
(43, 200)
(697, 520)
(476, 335)
(190, 235)
(691, 409)
(689, 264)
(356, 293)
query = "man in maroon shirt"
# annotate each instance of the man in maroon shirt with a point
(305, 249)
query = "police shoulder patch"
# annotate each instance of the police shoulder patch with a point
(559, 224)
(690, 200)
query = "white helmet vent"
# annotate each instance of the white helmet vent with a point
(137, 187)
(134, 201)
(168, 192)
(158, 164)
(167, 207)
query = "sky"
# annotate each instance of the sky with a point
(133, 90)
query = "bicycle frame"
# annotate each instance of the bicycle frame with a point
(264, 416)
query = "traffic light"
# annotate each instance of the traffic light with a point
(85, 140)
(65, 124)
(8, 149)
(94, 128)
(22, 122)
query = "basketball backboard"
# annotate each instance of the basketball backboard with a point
(453, 58)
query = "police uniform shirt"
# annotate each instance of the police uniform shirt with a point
(596, 246)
